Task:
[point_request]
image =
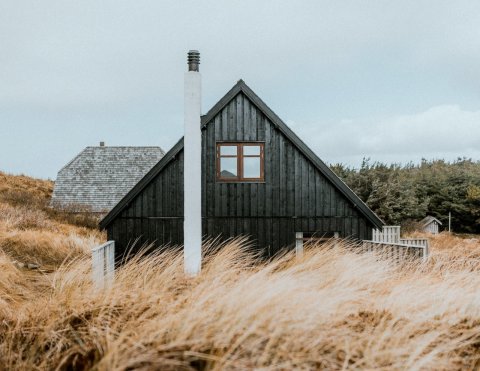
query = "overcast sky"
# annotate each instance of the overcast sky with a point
(391, 80)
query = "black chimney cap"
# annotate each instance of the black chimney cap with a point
(193, 60)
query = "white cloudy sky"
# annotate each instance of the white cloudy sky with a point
(391, 80)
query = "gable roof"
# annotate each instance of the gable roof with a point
(241, 87)
(429, 219)
(98, 177)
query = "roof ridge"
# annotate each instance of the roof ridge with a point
(124, 147)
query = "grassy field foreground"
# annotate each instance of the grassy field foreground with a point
(333, 309)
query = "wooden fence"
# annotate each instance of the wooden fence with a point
(417, 242)
(388, 241)
(397, 252)
(103, 264)
(390, 233)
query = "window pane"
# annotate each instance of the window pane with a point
(228, 150)
(251, 167)
(228, 167)
(251, 150)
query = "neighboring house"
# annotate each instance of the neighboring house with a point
(430, 224)
(98, 177)
(258, 179)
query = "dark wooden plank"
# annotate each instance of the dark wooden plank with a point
(348, 227)
(261, 122)
(269, 170)
(269, 236)
(210, 160)
(239, 193)
(276, 234)
(239, 127)
(290, 178)
(305, 188)
(261, 232)
(311, 191)
(232, 198)
(274, 163)
(249, 129)
(318, 195)
(362, 229)
(253, 199)
(204, 171)
(180, 189)
(232, 120)
(225, 123)
(333, 203)
(297, 171)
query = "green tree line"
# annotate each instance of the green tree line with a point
(404, 194)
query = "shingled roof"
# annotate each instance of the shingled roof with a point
(98, 177)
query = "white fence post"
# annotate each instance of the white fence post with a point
(103, 265)
(299, 244)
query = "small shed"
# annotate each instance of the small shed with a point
(99, 177)
(430, 224)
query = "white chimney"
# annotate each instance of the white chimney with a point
(192, 166)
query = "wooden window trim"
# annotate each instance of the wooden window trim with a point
(240, 157)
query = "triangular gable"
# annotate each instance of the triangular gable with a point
(429, 219)
(241, 87)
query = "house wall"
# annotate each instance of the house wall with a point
(295, 196)
(432, 228)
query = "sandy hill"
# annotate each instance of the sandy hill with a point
(32, 232)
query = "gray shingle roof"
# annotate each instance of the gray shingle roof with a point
(98, 177)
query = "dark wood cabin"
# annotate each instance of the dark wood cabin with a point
(258, 179)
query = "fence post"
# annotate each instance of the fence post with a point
(103, 265)
(299, 244)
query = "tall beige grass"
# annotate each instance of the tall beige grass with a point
(333, 309)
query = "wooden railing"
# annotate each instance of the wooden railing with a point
(398, 252)
(103, 264)
(417, 242)
(389, 233)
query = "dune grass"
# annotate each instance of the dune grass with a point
(331, 309)
(32, 232)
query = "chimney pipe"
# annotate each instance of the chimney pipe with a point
(102, 144)
(193, 60)
(192, 225)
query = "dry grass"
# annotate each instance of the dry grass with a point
(333, 309)
(32, 194)
(31, 232)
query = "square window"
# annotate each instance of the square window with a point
(240, 162)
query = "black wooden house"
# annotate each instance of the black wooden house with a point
(258, 179)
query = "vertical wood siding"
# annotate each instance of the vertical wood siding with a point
(295, 196)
